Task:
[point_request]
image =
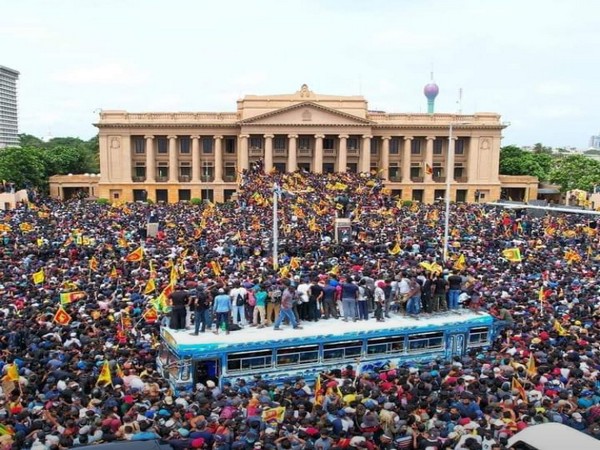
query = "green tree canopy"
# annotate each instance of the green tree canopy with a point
(516, 161)
(24, 166)
(575, 172)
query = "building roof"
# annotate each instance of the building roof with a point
(8, 69)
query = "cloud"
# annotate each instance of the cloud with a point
(553, 87)
(31, 32)
(557, 112)
(112, 73)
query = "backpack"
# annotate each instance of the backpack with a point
(239, 301)
(251, 298)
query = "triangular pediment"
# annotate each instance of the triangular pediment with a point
(306, 113)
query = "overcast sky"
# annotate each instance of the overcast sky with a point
(534, 62)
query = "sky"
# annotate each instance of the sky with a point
(530, 61)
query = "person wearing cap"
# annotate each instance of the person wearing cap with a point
(222, 309)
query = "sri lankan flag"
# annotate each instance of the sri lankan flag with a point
(271, 414)
(395, 249)
(531, 368)
(70, 297)
(150, 286)
(461, 263)
(150, 315)
(512, 254)
(428, 169)
(114, 273)
(12, 373)
(62, 317)
(105, 378)
(517, 386)
(216, 268)
(135, 256)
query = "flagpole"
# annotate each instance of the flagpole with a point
(275, 227)
(448, 168)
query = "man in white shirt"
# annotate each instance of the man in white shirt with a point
(239, 296)
(302, 292)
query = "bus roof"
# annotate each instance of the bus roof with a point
(187, 345)
(551, 436)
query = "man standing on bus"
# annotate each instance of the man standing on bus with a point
(454, 286)
(222, 307)
(179, 300)
(287, 308)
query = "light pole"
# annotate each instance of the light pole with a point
(449, 165)
(276, 194)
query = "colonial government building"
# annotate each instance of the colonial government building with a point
(178, 156)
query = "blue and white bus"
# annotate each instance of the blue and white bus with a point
(277, 356)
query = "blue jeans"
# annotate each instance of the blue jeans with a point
(202, 317)
(453, 298)
(362, 310)
(413, 306)
(286, 314)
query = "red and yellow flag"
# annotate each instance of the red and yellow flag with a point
(271, 414)
(105, 376)
(150, 286)
(135, 256)
(531, 368)
(93, 264)
(62, 317)
(517, 386)
(12, 373)
(38, 277)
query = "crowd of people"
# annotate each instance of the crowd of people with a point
(79, 299)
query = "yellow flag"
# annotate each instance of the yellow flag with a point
(150, 286)
(512, 254)
(395, 249)
(272, 414)
(12, 373)
(135, 256)
(39, 277)
(173, 276)
(531, 368)
(295, 263)
(517, 386)
(105, 377)
(461, 263)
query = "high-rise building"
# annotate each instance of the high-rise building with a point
(9, 123)
(595, 142)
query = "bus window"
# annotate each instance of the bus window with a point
(164, 355)
(385, 345)
(479, 336)
(425, 341)
(342, 350)
(260, 359)
(298, 355)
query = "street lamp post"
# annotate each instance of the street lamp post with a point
(276, 194)
(449, 167)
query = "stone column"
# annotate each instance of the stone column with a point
(292, 153)
(472, 159)
(428, 177)
(385, 158)
(365, 155)
(406, 159)
(343, 155)
(150, 160)
(268, 161)
(195, 158)
(318, 158)
(173, 169)
(243, 151)
(218, 159)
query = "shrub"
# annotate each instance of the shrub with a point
(103, 201)
(196, 201)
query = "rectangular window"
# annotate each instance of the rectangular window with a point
(239, 362)
(256, 143)
(139, 145)
(184, 145)
(415, 147)
(437, 146)
(229, 146)
(479, 336)
(342, 350)
(229, 172)
(303, 143)
(459, 147)
(352, 144)
(185, 171)
(297, 355)
(459, 172)
(185, 195)
(394, 172)
(162, 172)
(140, 172)
(388, 345)
(208, 171)
(162, 145)
(374, 146)
(461, 195)
(328, 144)
(417, 195)
(424, 342)
(207, 145)
(279, 143)
(394, 146)
(439, 194)
(415, 172)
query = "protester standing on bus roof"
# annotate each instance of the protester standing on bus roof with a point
(222, 307)
(238, 298)
(202, 311)
(286, 312)
(454, 285)
(179, 299)
(349, 298)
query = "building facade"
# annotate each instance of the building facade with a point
(174, 157)
(9, 119)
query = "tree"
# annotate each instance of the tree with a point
(23, 166)
(516, 161)
(575, 172)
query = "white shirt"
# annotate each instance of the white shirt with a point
(302, 291)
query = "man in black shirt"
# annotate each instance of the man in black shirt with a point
(202, 310)
(179, 299)
(454, 286)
